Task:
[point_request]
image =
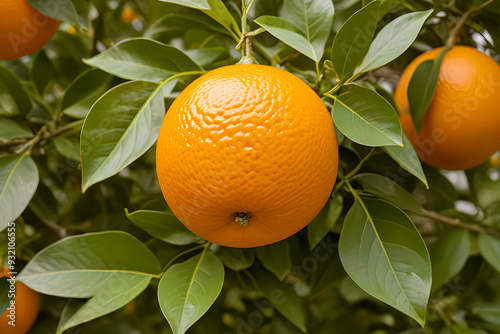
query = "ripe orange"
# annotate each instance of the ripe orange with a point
(128, 15)
(27, 303)
(461, 127)
(247, 155)
(23, 30)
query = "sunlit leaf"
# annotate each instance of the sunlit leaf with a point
(122, 125)
(365, 117)
(18, 183)
(384, 254)
(187, 290)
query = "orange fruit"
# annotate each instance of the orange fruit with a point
(128, 15)
(23, 30)
(461, 127)
(27, 303)
(247, 155)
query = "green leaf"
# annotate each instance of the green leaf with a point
(111, 268)
(236, 258)
(448, 256)
(288, 34)
(353, 40)
(42, 72)
(10, 129)
(187, 290)
(205, 56)
(422, 86)
(313, 17)
(82, 93)
(489, 312)
(163, 225)
(4, 295)
(14, 99)
(281, 296)
(81, 266)
(325, 220)
(366, 118)
(215, 9)
(393, 40)
(276, 258)
(18, 183)
(389, 190)
(143, 59)
(407, 158)
(68, 147)
(489, 247)
(62, 10)
(384, 254)
(172, 25)
(484, 186)
(121, 126)
(115, 293)
(44, 204)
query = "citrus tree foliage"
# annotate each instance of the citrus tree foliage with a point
(400, 247)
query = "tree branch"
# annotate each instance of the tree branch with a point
(459, 224)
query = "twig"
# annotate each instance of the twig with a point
(463, 225)
(456, 29)
(61, 231)
(41, 137)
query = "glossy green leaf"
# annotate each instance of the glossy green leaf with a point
(4, 295)
(288, 34)
(187, 290)
(82, 93)
(10, 129)
(143, 59)
(489, 247)
(394, 39)
(18, 183)
(110, 268)
(325, 220)
(236, 258)
(13, 97)
(81, 266)
(276, 258)
(366, 118)
(115, 293)
(281, 296)
(384, 254)
(407, 158)
(62, 10)
(448, 256)
(421, 88)
(213, 8)
(353, 40)
(121, 126)
(163, 225)
(313, 17)
(389, 190)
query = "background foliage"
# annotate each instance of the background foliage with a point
(93, 231)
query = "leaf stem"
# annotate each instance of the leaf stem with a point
(175, 258)
(356, 169)
(463, 225)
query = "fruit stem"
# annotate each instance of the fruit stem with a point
(242, 218)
